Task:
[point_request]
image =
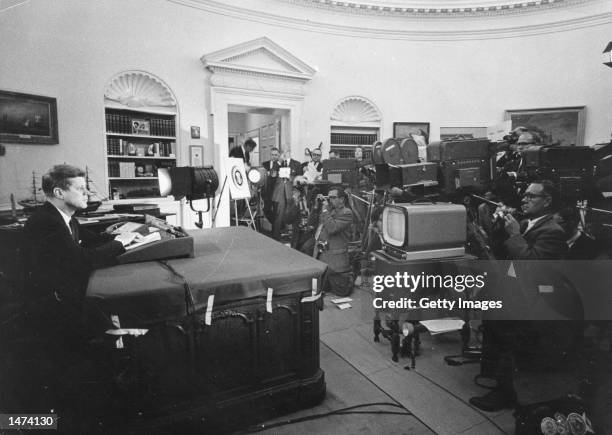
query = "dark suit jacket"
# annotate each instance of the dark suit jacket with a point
(296, 167)
(337, 231)
(56, 262)
(239, 153)
(271, 181)
(584, 248)
(544, 241)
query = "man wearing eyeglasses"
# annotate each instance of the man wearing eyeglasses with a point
(539, 237)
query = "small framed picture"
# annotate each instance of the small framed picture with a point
(140, 126)
(196, 155)
(195, 132)
(405, 129)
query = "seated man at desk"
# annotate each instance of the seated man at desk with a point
(61, 255)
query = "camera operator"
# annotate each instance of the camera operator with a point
(538, 237)
(303, 222)
(332, 238)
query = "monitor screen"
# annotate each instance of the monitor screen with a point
(394, 226)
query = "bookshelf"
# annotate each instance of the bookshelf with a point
(138, 143)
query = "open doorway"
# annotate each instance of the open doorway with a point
(268, 127)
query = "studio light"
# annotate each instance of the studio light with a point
(191, 183)
(608, 55)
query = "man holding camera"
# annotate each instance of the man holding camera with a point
(505, 343)
(332, 238)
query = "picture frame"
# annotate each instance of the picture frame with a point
(28, 119)
(195, 132)
(404, 129)
(141, 126)
(196, 155)
(447, 133)
(556, 125)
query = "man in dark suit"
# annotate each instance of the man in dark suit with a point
(332, 239)
(538, 237)
(61, 254)
(282, 193)
(272, 166)
(60, 258)
(244, 151)
(580, 245)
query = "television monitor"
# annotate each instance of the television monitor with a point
(419, 231)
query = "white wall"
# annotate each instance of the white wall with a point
(69, 49)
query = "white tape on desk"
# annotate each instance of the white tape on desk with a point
(209, 308)
(117, 324)
(269, 300)
(311, 298)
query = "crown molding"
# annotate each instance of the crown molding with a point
(424, 9)
(462, 32)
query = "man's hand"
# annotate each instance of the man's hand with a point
(511, 225)
(322, 200)
(296, 196)
(127, 238)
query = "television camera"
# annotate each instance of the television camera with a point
(448, 187)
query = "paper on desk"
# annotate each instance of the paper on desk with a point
(440, 326)
(145, 239)
(344, 306)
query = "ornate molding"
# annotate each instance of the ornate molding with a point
(228, 78)
(461, 32)
(259, 64)
(138, 89)
(355, 110)
(423, 9)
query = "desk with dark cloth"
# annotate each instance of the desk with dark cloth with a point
(243, 359)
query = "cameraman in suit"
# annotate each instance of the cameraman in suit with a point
(332, 239)
(538, 237)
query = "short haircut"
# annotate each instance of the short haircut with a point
(250, 143)
(341, 193)
(548, 188)
(274, 149)
(58, 176)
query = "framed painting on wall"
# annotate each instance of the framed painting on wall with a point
(556, 126)
(405, 129)
(28, 118)
(447, 133)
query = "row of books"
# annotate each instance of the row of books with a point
(121, 147)
(132, 170)
(353, 139)
(125, 124)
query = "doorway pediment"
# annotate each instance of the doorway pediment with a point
(261, 58)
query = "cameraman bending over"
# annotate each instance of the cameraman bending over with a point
(332, 238)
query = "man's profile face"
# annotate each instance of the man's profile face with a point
(249, 148)
(535, 202)
(75, 196)
(316, 156)
(274, 155)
